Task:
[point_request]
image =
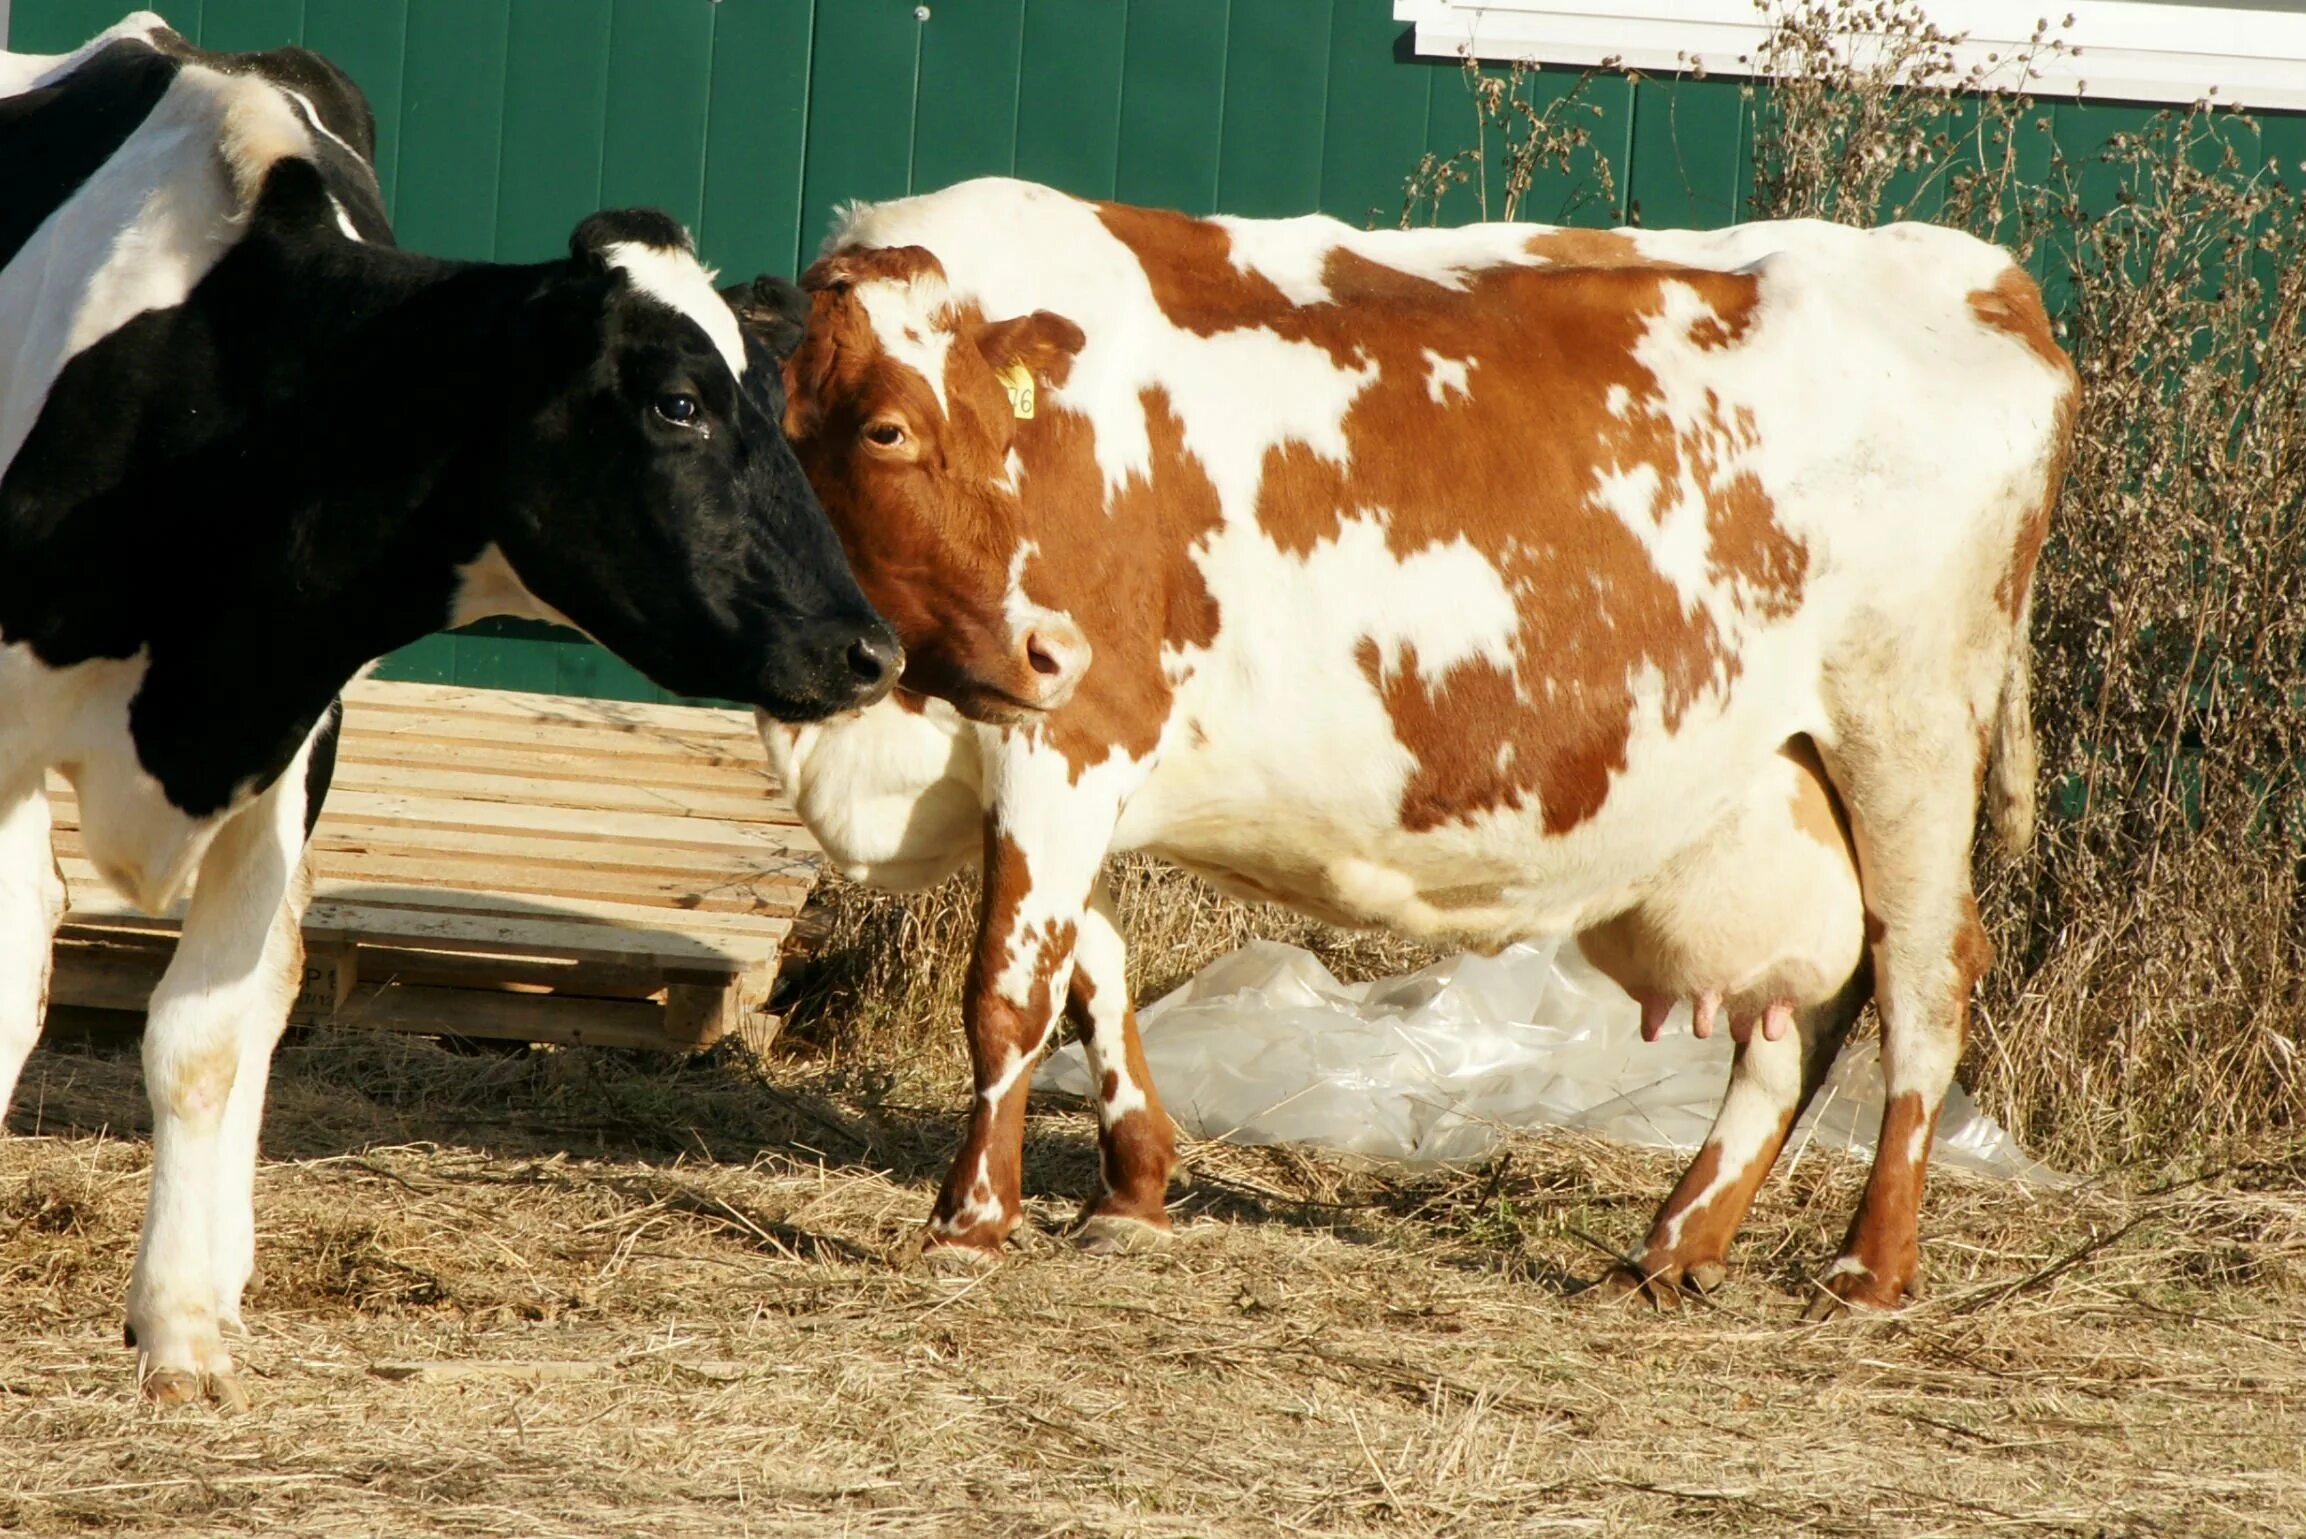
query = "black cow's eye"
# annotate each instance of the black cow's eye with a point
(679, 410)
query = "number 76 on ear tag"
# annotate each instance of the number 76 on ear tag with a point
(1018, 381)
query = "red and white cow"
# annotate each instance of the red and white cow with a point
(1476, 584)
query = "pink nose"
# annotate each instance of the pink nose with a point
(1055, 655)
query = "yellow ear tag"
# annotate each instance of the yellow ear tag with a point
(1018, 381)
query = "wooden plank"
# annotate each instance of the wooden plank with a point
(462, 921)
(553, 885)
(540, 763)
(452, 930)
(360, 775)
(100, 977)
(628, 745)
(481, 970)
(513, 863)
(706, 866)
(443, 814)
(700, 1015)
(519, 705)
(94, 904)
(514, 1017)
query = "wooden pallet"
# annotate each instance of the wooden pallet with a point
(532, 867)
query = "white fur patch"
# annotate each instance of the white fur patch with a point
(1443, 375)
(679, 280)
(487, 585)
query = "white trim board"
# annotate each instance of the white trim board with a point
(2124, 51)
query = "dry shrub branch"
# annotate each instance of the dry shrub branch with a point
(2153, 973)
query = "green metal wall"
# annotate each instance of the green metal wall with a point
(503, 122)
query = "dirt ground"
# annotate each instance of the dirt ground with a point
(595, 1294)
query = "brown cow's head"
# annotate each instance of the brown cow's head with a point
(900, 415)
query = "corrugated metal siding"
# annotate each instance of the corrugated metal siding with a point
(504, 122)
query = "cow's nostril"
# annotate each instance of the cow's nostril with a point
(872, 661)
(1044, 660)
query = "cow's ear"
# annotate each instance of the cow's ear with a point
(773, 312)
(1043, 342)
(853, 265)
(627, 226)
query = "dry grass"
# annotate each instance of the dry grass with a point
(658, 1300)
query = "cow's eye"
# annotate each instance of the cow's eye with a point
(680, 410)
(885, 434)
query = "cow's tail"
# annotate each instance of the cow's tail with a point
(2013, 764)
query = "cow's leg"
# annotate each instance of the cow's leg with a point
(1912, 802)
(1771, 1081)
(31, 906)
(1136, 1146)
(212, 1022)
(232, 1237)
(1044, 843)
(232, 1247)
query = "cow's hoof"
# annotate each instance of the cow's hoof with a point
(172, 1386)
(943, 1258)
(186, 1386)
(1116, 1234)
(1666, 1286)
(1850, 1287)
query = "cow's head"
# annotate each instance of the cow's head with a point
(906, 410)
(652, 500)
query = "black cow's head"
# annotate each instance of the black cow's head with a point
(657, 506)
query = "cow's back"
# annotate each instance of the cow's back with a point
(126, 169)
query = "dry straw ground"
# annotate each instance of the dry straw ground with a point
(595, 1294)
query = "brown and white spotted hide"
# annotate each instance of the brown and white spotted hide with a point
(1475, 584)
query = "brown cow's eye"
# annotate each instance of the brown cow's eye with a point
(885, 435)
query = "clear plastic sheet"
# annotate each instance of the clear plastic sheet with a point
(1264, 1046)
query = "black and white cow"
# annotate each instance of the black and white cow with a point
(246, 447)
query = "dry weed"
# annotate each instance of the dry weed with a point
(2152, 983)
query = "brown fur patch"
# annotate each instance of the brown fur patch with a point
(1817, 811)
(989, 1166)
(2014, 307)
(1885, 1235)
(1707, 1230)
(1587, 248)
